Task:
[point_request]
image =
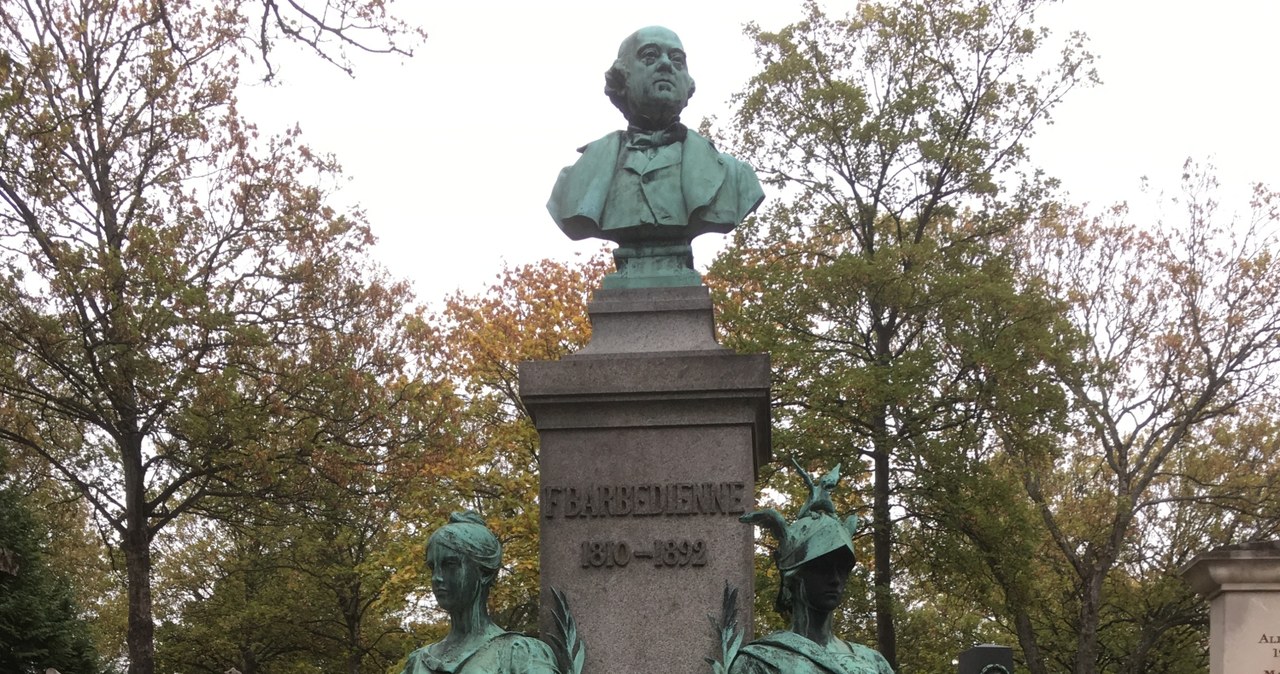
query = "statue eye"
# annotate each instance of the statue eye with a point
(649, 56)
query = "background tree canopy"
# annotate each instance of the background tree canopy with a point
(880, 280)
(1032, 387)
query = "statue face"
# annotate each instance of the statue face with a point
(455, 579)
(820, 582)
(658, 81)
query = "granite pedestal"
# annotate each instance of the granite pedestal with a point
(1242, 584)
(651, 437)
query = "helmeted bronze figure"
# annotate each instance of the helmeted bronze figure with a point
(464, 558)
(814, 556)
(657, 185)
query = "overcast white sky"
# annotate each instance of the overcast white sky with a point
(454, 151)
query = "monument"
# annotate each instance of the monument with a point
(652, 434)
(1242, 584)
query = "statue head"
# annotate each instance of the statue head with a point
(464, 558)
(815, 553)
(649, 81)
(815, 564)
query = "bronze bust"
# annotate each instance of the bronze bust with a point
(655, 186)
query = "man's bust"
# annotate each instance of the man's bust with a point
(657, 185)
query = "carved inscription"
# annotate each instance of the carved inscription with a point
(1275, 652)
(645, 500)
(669, 553)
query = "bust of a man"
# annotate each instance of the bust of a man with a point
(655, 186)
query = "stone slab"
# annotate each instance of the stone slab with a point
(647, 390)
(1242, 584)
(651, 438)
(657, 454)
(639, 529)
(650, 320)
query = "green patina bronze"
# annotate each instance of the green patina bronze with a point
(464, 558)
(655, 186)
(814, 556)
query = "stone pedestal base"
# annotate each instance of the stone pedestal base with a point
(1242, 584)
(650, 440)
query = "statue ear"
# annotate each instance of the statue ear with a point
(786, 594)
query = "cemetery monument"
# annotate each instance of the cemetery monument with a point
(651, 439)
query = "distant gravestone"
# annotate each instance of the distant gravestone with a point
(986, 659)
(1242, 584)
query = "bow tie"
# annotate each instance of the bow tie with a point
(639, 139)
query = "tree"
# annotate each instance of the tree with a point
(307, 577)
(226, 601)
(881, 283)
(285, 591)
(328, 31)
(1172, 435)
(317, 577)
(170, 277)
(41, 625)
(75, 552)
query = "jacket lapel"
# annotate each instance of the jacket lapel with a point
(702, 172)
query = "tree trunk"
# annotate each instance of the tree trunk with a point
(137, 554)
(1027, 640)
(141, 634)
(351, 613)
(882, 538)
(248, 659)
(1087, 641)
(881, 517)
